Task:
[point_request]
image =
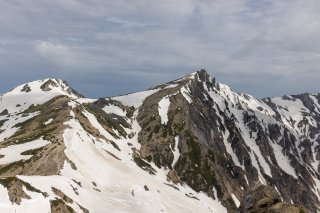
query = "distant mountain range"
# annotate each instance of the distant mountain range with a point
(189, 145)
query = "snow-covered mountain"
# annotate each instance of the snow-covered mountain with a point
(190, 145)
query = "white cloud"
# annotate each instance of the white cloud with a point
(55, 52)
(267, 38)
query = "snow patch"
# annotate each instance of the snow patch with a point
(8, 126)
(135, 99)
(12, 153)
(235, 200)
(37, 203)
(171, 86)
(230, 150)
(93, 120)
(48, 121)
(115, 110)
(176, 152)
(163, 109)
(282, 160)
(185, 91)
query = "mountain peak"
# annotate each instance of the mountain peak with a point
(35, 92)
(202, 75)
(53, 83)
(202, 72)
(47, 85)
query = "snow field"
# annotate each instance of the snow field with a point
(163, 109)
(12, 153)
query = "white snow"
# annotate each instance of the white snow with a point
(225, 94)
(163, 109)
(10, 100)
(37, 203)
(253, 146)
(188, 77)
(12, 153)
(48, 121)
(315, 163)
(135, 99)
(291, 110)
(245, 100)
(73, 104)
(93, 120)
(235, 200)
(176, 152)
(86, 100)
(171, 86)
(8, 126)
(316, 187)
(230, 150)
(316, 103)
(185, 91)
(246, 178)
(278, 192)
(283, 160)
(121, 182)
(115, 110)
(256, 165)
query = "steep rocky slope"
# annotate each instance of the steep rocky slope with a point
(190, 145)
(259, 198)
(229, 140)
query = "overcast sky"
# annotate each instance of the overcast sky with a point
(110, 47)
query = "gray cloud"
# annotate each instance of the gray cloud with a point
(265, 48)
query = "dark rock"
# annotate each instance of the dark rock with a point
(4, 112)
(260, 198)
(26, 88)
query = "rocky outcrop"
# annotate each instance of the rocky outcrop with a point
(59, 206)
(17, 189)
(4, 112)
(262, 199)
(49, 159)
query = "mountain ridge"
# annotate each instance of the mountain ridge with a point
(199, 142)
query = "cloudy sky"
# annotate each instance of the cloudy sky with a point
(109, 47)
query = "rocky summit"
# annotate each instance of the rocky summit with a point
(189, 145)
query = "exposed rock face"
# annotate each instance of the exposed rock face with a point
(192, 131)
(49, 159)
(4, 112)
(229, 140)
(17, 189)
(26, 88)
(260, 198)
(16, 192)
(59, 206)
